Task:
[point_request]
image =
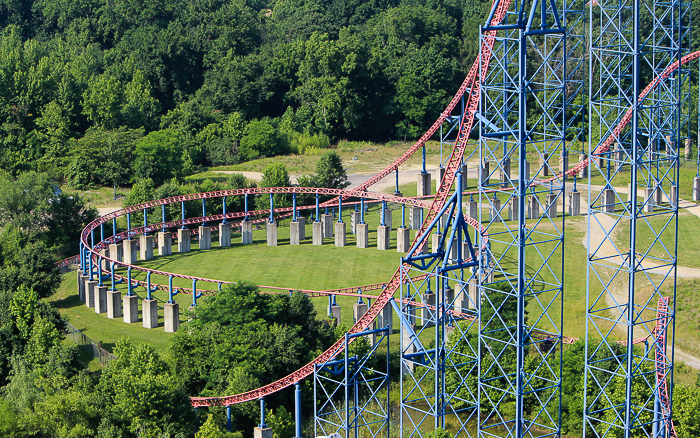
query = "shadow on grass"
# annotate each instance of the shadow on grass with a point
(69, 302)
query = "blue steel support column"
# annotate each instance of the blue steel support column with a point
(423, 171)
(317, 211)
(163, 217)
(397, 180)
(262, 424)
(297, 409)
(114, 227)
(148, 286)
(383, 209)
(111, 268)
(129, 287)
(362, 210)
(340, 209)
(403, 215)
(204, 211)
(245, 199)
(228, 418)
(183, 216)
(145, 221)
(99, 271)
(171, 292)
(128, 223)
(294, 207)
(224, 221)
(195, 295)
(272, 209)
(89, 255)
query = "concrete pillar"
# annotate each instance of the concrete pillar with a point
(114, 304)
(696, 188)
(513, 209)
(335, 313)
(601, 161)
(100, 299)
(474, 300)
(494, 210)
(527, 170)
(552, 205)
(649, 199)
(439, 175)
(609, 201)
(414, 214)
(129, 251)
(339, 234)
(104, 265)
(574, 203)
(533, 210)
(362, 235)
(246, 233)
(688, 148)
(583, 173)
(424, 184)
(449, 299)
(355, 218)
(116, 252)
(484, 177)
(171, 317)
(461, 303)
(271, 229)
(658, 195)
(564, 161)
(81, 285)
(386, 317)
(146, 247)
(317, 230)
(670, 145)
(294, 233)
(184, 241)
(544, 164)
(302, 228)
(358, 311)
(674, 196)
(465, 178)
(327, 221)
(403, 240)
(224, 235)
(383, 237)
(388, 220)
(408, 348)
(473, 209)
(262, 433)
(428, 300)
(619, 156)
(505, 173)
(131, 309)
(435, 242)
(165, 243)
(90, 292)
(204, 238)
(454, 250)
(149, 313)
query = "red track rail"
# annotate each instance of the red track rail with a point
(660, 349)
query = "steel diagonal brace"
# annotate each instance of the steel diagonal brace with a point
(411, 333)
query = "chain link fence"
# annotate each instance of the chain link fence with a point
(104, 356)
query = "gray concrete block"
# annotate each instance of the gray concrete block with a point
(383, 237)
(544, 164)
(362, 237)
(100, 299)
(131, 308)
(551, 207)
(388, 218)
(171, 317)
(696, 189)
(327, 221)
(116, 252)
(204, 238)
(165, 247)
(574, 203)
(149, 311)
(428, 313)
(262, 433)
(224, 235)
(403, 240)
(435, 242)
(271, 232)
(355, 218)
(424, 184)
(90, 292)
(339, 234)
(114, 304)
(358, 311)
(649, 199)
(317, 231)
(130, 253)
(439, 175)
(294, 233)
(533, 210)
(484, 172)
(146, 247)
(609, 200)
(414, 215)
(246, 232)
(335, 313)
(495, 210)
(184, 241)
(81, 285)
(302, 228)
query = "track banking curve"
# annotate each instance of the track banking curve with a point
(470, 86)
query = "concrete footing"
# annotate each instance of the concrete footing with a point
(696, 188)
(339, 234)
(551, 207)
(414, 214)
(383, 237)
(564, 162)
(358, 311)
(424, 184)
(246, 232)
(505, 173)
(171, 317)
(674, 196)
(327, 221)
(90, 292)
(104, 264)
(473, 209)
(262, 433)
(131, 309)
(533, 208)
(388, 219)
(335, 313)
(81, 285)
(439, 175)
(149, 312)
(574, 203)
(184, 240)
(114, 304)
(609, 201)
(317, 231)
(484, 173)
(428, 300)
(100, 299)
(544, 164)
(355, 218)
(688, 148)
(659, 195)
(385, 318)
(302, 228)
(403, 239)
(129, 251)
(204, 238)
(435, 242)
(583, 173)
(165, 243)
(271, 231)
(494, 210)
(362, 235)
(649, 199)
(116, 252)
(294, 233)
(224, 235)
(146, 247)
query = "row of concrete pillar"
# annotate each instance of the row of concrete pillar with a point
(97, 296)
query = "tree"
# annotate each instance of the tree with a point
(274, 175)
(260, 140)
(330, 172)
(159, 156)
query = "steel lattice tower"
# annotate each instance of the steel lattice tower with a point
(634, 139)
(527, 117)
